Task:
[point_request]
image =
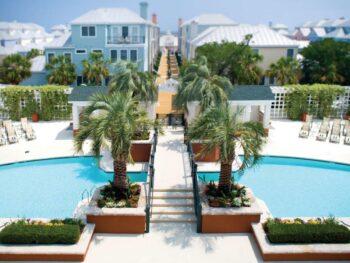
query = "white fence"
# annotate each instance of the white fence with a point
(278, 107)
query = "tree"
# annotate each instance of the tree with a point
(127, 78)
(198, 83)
(326, 61)
(111, 121)
(219, 127)
(61, 71)
(33, 53)
(285, 70)
(237, 62)
(95, 68)
(14, 69)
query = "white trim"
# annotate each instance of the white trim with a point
(81, 31)
(85, 51)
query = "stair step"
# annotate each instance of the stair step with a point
(173, 190)
(173, 195)
(173, 219)
(177, 210)
(172, 205)
(172, 201)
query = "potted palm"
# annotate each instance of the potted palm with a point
(111, 121)
(219, 127)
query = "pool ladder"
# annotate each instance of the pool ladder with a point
(88, 194)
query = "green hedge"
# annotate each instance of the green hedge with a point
(322, 95)
(307, 233)
(53, 106)
(22, 232)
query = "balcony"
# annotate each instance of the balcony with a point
(112, 40)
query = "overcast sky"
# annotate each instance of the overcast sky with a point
(290, 12)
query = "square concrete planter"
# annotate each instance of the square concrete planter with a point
(232, 219)
(76, 252)
(117, 220)
(141, 149)
(213, 156)
(282, 252)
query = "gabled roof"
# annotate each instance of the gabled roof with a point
(346, 23)
(319, 31)
(210, 19)
(263, 36)
(338, 33)
(334, 22)
(251, 92)
(279, 26)
(19, 26)
(83, 93)
(109, 16)
(38, 64)
(61, 41)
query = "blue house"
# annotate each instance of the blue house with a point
(117, 33)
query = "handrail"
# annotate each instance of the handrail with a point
(149, 193)
(197, 199)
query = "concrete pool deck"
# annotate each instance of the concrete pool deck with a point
(174, 242)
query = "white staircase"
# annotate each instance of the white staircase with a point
(173, 206)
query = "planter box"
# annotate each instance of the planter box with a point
(76, 252)
(117, 220)
(230, 220)
(141, 152)
(281, 252)
(210, 157)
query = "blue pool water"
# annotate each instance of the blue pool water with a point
(50, 188)
(298, 187)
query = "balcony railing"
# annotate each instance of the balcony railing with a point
(126, 40)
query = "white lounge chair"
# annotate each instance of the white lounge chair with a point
(306, 128)
(2, 137)
(30, 132)
(346, 127)
(347, 137)
(24, 123)
(323, 131)
(336, 131)
(11, 133)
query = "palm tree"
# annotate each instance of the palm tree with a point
(14, 69)
(95, 68)
(61, 71)
(285, 70)
(219, 127)
(198, 84)
(127, 78)
(111, 121)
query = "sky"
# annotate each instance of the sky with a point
(290, 12)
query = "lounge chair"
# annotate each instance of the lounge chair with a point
(323, 131)
(11, 133)
(2, 137)
(336, 131)
(346, 127)
(306, 128)
(24, 123)
(347, 137)
(30, 132)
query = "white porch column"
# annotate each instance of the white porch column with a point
(267, 113)
(246, 113)
(75, 113)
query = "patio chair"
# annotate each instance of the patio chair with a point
(24, 123)
(11, 133)
(30, 132)
(2, 137)
(347, 137)
(323, 131)
(305, 130)
(346, 127)
(336, 131)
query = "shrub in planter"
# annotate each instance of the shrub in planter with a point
(110, 199)
(305, 232)
(237, 197)
(37, 232)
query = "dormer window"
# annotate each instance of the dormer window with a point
(88, 31)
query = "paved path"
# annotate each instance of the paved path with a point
(171, 161)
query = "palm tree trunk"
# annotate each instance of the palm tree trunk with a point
(120, 179)
(225, 176)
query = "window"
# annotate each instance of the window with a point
(50, 56)
(123, 54)
(107, 81)
(81, 80)
(88, 31)
(133, 55)
(114, 55)
(80, 51)
(256, 51)
(125, 31)
(68, 57)
(97, 50)
(134, 33)
(290, 53)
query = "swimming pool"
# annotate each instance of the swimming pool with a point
(293, 187)
(50, 188)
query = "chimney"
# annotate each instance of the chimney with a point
(179, 23)
(154, 19)
(144, 10)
